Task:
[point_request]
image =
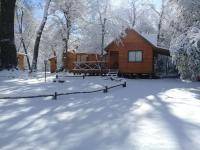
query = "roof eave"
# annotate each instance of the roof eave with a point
(162, 51)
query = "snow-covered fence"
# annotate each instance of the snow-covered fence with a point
(33, 96)
(55, 95)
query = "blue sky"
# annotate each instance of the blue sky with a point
(157, 3)
(38, 10)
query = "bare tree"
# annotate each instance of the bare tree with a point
(103, 32)
(132, 13)
(67, 14)
(103, 18)
(20, 16)
(38, 36)
(161, 17)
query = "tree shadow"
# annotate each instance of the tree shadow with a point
(97, 121)
(179, 127)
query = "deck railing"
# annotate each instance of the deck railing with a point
(90, 67)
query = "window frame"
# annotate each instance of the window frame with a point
(130, 61)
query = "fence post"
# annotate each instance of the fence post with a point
(105, 90)
(55, 96)
(124, 84)
(45, 75)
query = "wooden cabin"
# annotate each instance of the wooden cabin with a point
(134, 54)
(69, 60)
(21, 61)
(87, 63)
(53, 64)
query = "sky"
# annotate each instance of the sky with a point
(116, 3)
(157, 3)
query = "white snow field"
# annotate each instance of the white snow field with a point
(161, 114)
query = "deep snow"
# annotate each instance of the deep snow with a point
(147, 115)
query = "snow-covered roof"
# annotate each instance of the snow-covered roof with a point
(21, 53)
(52, 57)
(87, 51)
(152, 38)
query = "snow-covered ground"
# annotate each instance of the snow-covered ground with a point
(146, 115)
(26, 85)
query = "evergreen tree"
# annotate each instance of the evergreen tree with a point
(178, 16)
(186, 53)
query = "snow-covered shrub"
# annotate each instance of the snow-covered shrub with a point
(186, 53)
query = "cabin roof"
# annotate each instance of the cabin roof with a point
(84, 52)
(20, 53)
(52, 58)
(162, 51)
(152, 38)
(149, 38)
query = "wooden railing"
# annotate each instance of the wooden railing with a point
(90, 67)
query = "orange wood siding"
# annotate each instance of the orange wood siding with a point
(71, 57)
(69, 60)
(53, 64)
(133, 42)
(93, 57)
(90, 57)
(20, 61)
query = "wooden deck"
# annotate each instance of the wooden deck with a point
(90, 67)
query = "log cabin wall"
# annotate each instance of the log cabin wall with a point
(53, 64)
(20, 61)
(133, 41)
(69, 60)
(87, 57)
(72, 57)
(93, 57)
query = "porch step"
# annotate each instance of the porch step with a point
(113, 73)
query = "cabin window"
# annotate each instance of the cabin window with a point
(135, 56)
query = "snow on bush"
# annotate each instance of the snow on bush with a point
(186, 53)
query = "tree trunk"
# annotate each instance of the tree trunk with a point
(160, 24)
(20, 27)
(8, 58)
(103, 37)
(38, 37)
(67, 38)
(26, 52)
(133, 19)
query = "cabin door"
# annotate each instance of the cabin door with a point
(114, 60)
